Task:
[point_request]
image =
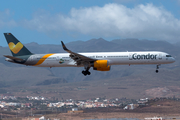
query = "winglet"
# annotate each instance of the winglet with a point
(64, 47)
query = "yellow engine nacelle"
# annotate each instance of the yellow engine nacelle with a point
(101, 65)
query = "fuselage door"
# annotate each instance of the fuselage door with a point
(57, 58)
(33, 57)
(130, 56)
(160, 56)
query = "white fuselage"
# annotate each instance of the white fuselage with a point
(114, 58)
(100, 61)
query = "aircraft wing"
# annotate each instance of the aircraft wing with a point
(77, 57)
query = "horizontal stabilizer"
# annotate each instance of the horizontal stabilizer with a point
(13, 58)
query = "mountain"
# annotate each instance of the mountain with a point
(14, 75)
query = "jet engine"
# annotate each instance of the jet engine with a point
(101, 65)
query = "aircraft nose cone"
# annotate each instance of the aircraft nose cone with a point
(173, 60)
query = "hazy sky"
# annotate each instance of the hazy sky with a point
(50, 21)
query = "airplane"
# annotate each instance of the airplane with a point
(100, 61)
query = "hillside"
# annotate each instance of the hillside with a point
(138, 80)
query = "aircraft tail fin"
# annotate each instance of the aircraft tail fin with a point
(16, 47)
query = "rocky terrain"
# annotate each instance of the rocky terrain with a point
(134, 81)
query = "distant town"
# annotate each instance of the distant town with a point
(39, 105)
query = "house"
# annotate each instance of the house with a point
(32, 118)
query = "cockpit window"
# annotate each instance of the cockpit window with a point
(168, 55)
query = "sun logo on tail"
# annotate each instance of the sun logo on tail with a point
(15, 48)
